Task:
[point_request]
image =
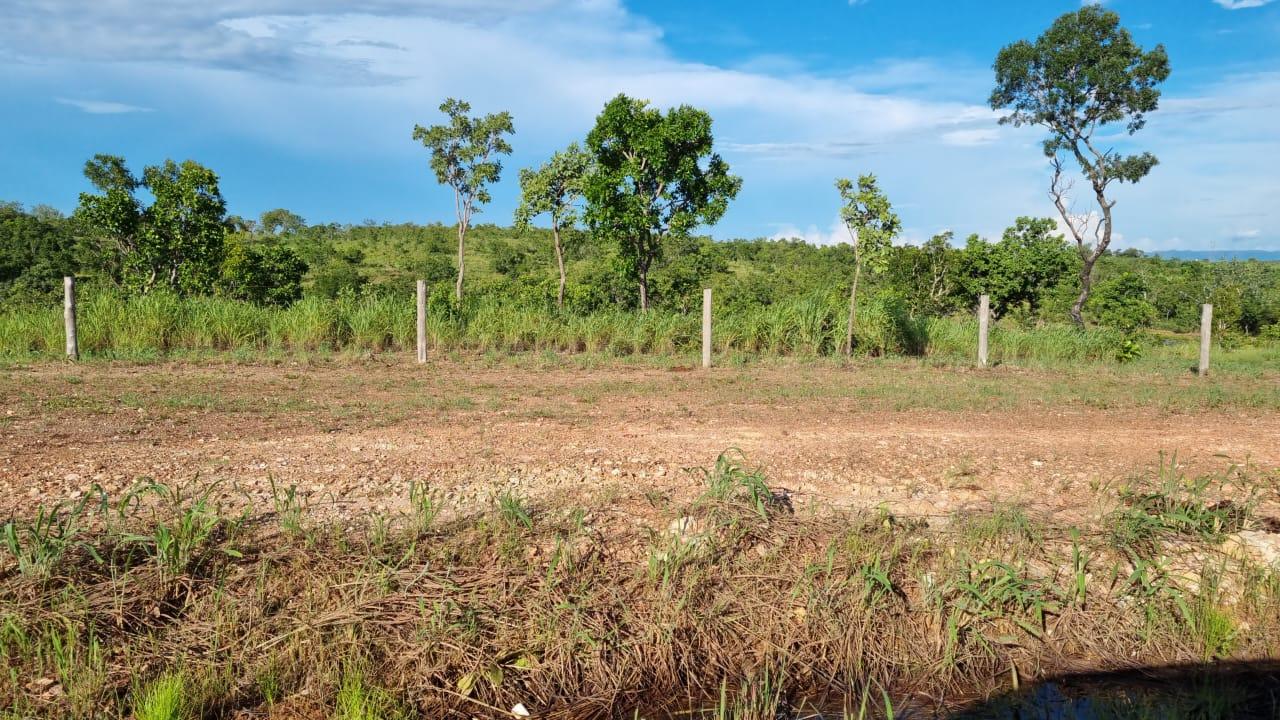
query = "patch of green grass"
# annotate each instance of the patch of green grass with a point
(164, 698)
(358, 700)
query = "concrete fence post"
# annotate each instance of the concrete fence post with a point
(422, 321)
(1206, 334)
(69, 317)
(984, 325)
(706, 327)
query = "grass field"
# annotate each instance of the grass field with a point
(324, 536)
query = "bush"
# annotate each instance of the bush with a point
(269, 275)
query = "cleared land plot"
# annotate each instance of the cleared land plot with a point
(547, 532)
(918, 439)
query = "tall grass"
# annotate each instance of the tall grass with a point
(117, 325)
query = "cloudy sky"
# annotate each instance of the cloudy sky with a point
(310, 104)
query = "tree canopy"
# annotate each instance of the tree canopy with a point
(464, 156)
(1082, 74)
(176, 242)
(554, 189)
(657, 176)
(872, 225)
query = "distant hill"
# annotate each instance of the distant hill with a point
(1270, 255)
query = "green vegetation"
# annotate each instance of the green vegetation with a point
(656, 178)
(165, 268)
(356, 292)
(737, 600)
(1077, 79)
(464, 157)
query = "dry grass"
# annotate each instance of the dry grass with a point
(159, 598)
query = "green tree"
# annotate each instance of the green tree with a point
(175, 243)
(1083, 74)
(554, 188)
(926, 275)
(657, 177)
(1121, 302)
(872, 225)
(112, 219)
(37, 249)
(464, 156)
(280, 221)
(1019, 270)
(340, 272)
(269, 274)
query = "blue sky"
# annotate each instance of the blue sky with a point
(310, 104)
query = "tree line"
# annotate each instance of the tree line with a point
(624, 206)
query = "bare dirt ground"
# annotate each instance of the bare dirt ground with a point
(354, 433)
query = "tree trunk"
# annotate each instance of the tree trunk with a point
(853, 308)
(462, 234)
(1086, 285)
(555, 233)
(642, 275)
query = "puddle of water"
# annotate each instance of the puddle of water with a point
(1207, 696)
(1225, 691)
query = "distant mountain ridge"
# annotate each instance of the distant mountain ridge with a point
(1266, 255)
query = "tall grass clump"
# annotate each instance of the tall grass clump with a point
(310, 324)
(30, 330)
(956, 337)
(162, 699)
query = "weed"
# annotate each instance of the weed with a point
(728, 481)
(513, 510)
(424, 504)
(164, 698)
(38, 546)
(1176, 506)
(357, 700)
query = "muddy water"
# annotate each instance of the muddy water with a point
(1213, 691)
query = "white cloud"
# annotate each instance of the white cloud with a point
(103, 107)
(969, 138)
(343, 84)
(836, 234)
(1241, 4)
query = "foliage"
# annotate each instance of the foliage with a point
(463, 156)
(37, 249)
(1019, 271)
(177, 242)
(269, 274)
(657, 177)
(1084, 73)
(554, 189)
(872, 225)
(1121, 302)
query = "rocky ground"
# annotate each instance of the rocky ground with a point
(355, 434)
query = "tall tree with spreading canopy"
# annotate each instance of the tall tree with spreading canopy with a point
(177, 242)
(1084, 73)
(464, 156)
(657, 177)
(872, 225)
(555, 189)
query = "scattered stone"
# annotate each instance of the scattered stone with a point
(1257, 546)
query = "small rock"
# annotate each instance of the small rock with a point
(1257, 545)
